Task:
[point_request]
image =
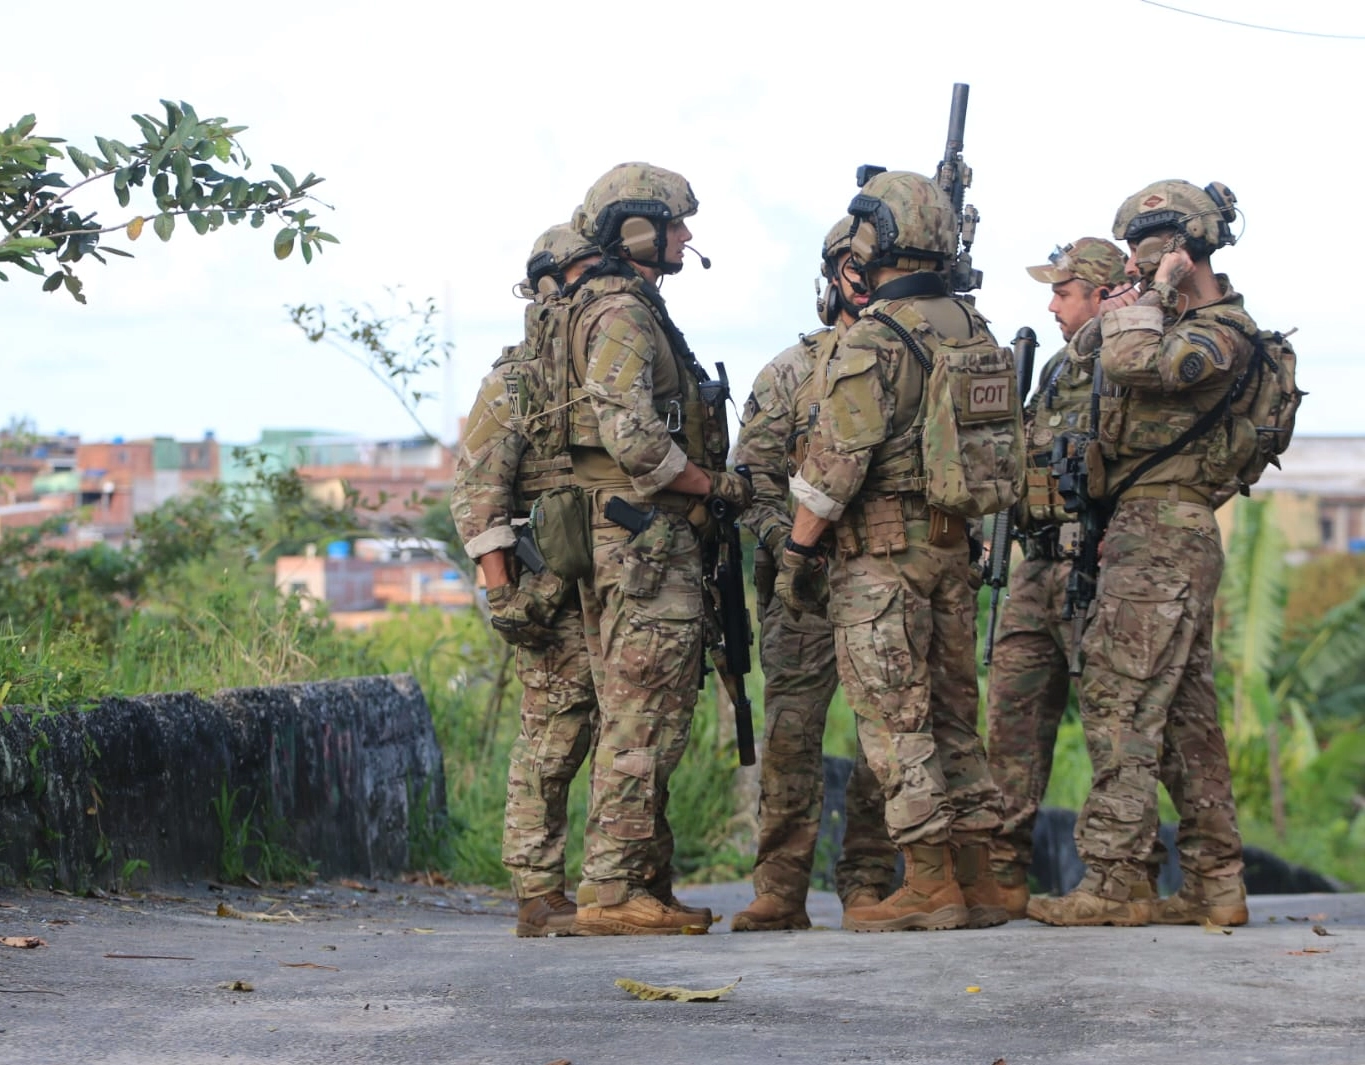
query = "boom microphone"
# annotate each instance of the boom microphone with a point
(705, 262)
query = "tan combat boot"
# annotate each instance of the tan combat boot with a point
(929, 899)
(1221, 901)
(640, 915)
(770, 913)
(666, 896)
(546, 915)
(1014, 892)
(980, 891)
(1083, 907)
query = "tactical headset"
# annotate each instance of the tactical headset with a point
(637, 229)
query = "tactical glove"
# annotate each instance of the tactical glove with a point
(733, 489)
(802, 584)
(516, 615)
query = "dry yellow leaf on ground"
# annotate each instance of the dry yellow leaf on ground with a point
(224, 910)
(650, 993)
(23, 942)
(1209, 926)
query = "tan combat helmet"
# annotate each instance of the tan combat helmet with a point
(554, 250)
(1090, 259)
(1202, 216)
(905, 221)
(828, 299)
(627, 211)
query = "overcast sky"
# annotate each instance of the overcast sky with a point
(451, 135)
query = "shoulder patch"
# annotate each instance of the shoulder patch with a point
(1191, 367)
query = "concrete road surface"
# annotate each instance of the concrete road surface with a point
(431, 974)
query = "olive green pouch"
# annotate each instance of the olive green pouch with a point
(561, 524)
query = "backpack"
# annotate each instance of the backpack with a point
(537, 377)
(1270, 401)
(973, 430)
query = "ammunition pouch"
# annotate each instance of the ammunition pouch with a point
(878, 526)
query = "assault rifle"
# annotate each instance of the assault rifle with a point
(954, 177)
(1073, 455)
(723, 593)
(1002, 533)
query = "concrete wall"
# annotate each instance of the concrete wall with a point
(332, 764)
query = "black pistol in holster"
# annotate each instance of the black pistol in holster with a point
(527, 553)
(1003, 532)
(723, 596)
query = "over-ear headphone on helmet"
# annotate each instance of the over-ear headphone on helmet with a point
(1226, 202)
(829, 301)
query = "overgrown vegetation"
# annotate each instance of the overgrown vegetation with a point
(189, 604)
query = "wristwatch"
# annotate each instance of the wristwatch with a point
(804, 550)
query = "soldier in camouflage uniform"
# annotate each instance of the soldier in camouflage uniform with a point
(899, 591)
(797, 652)
(1029, 673)
(496, 479)
(1173, 356)
(642, 433)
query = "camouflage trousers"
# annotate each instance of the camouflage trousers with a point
(905, 642)
(1026, 699)
(642, 618)
(1148, 700)
(799, 681)
(558, 716)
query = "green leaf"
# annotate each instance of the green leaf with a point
(81, 161)
(200, 222)
(222, 148)
(149, 130)
(161, 186)
(122, 195)
(108, 149)
(164, 225)
(320, 235)
(257, 219)
(54, 281)
(215, 218)
(121, 178)
(285, 176)
(184, 173)
(74, 286)
(284, 243)
(307, 250)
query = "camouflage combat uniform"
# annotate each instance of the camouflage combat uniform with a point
(496, 479)
(636, 421)
(1029, 673)
(903, 608)
(797, 653)
(1148, 668)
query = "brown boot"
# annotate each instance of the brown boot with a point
(929, 899)
(1014, 892)
(980, 891)
(770, 913)
(702, 913)
(546, 915)
(640, 915)
(1085, 908)
(1221, 901)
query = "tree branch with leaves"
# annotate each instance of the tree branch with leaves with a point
(177, 161)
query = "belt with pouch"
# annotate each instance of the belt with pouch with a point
(1170, 493)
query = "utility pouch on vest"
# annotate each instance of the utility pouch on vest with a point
(561, 524)
(883, 526)
(1045, 504)
(973, 431)
(946, 530)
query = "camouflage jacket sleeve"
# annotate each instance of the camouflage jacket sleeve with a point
(1200, 351)
(483, 501)
(623, 342)
(855, 418)
(768, 422)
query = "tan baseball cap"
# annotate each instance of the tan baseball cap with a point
(1090, 259)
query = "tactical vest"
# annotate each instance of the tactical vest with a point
(810, 390)
(1136, 423)
(529, 372)
(898, 463)
(691, 406)
(1060, 405)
